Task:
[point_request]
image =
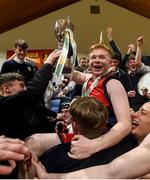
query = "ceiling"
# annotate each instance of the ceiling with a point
(17, 12)
(33, 20)
(141, 7)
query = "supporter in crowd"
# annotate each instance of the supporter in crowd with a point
(18, 62)
(16, 99)
(18, 102)
(132, 51)
(83, 64)
(135, 70)
(116, 70)
(82, 67)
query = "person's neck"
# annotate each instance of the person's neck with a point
(94, 77)
(20, 61)
(5, 94)
(132, 71)
(139, 139)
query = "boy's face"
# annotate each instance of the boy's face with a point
(66, 115)
(20, 52)
(131, 65)
(114, 62)
(99, 61)
(141, 121)
(13, 87)
(84, 63)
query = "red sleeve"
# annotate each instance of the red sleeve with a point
(65, 137)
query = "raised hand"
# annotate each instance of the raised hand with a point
(140, 41)
(131, 48)
(51, 59)
(109, 33)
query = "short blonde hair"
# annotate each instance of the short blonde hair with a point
(100, 46)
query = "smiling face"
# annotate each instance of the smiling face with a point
(99, 61)
(131, 65)
(84, 63)
(114, 63)
(141, 122)
(20, 52)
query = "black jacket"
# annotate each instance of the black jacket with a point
(26, 69)
(13, 121)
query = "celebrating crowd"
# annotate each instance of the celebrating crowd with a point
(95, 124)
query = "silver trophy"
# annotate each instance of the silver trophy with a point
(61, 27)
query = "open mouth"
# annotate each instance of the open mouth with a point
(97, 67)
(134, 123)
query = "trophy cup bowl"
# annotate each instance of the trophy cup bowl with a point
(60, 27)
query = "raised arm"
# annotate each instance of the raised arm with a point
(131, 50)
(138, 57)
(142, 68)
(80, 77)
(36, 87)
(112, 43)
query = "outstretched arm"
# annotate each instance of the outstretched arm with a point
(80, 77)
(133, 164)
(39, 143)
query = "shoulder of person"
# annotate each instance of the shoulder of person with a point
(114, 84)
(9, 62)
(29, 64)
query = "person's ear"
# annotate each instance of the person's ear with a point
(5, 88)
(75, 127)
(127, 64)
(14, 50)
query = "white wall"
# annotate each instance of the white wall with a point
(127, 26)
(2, 58)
